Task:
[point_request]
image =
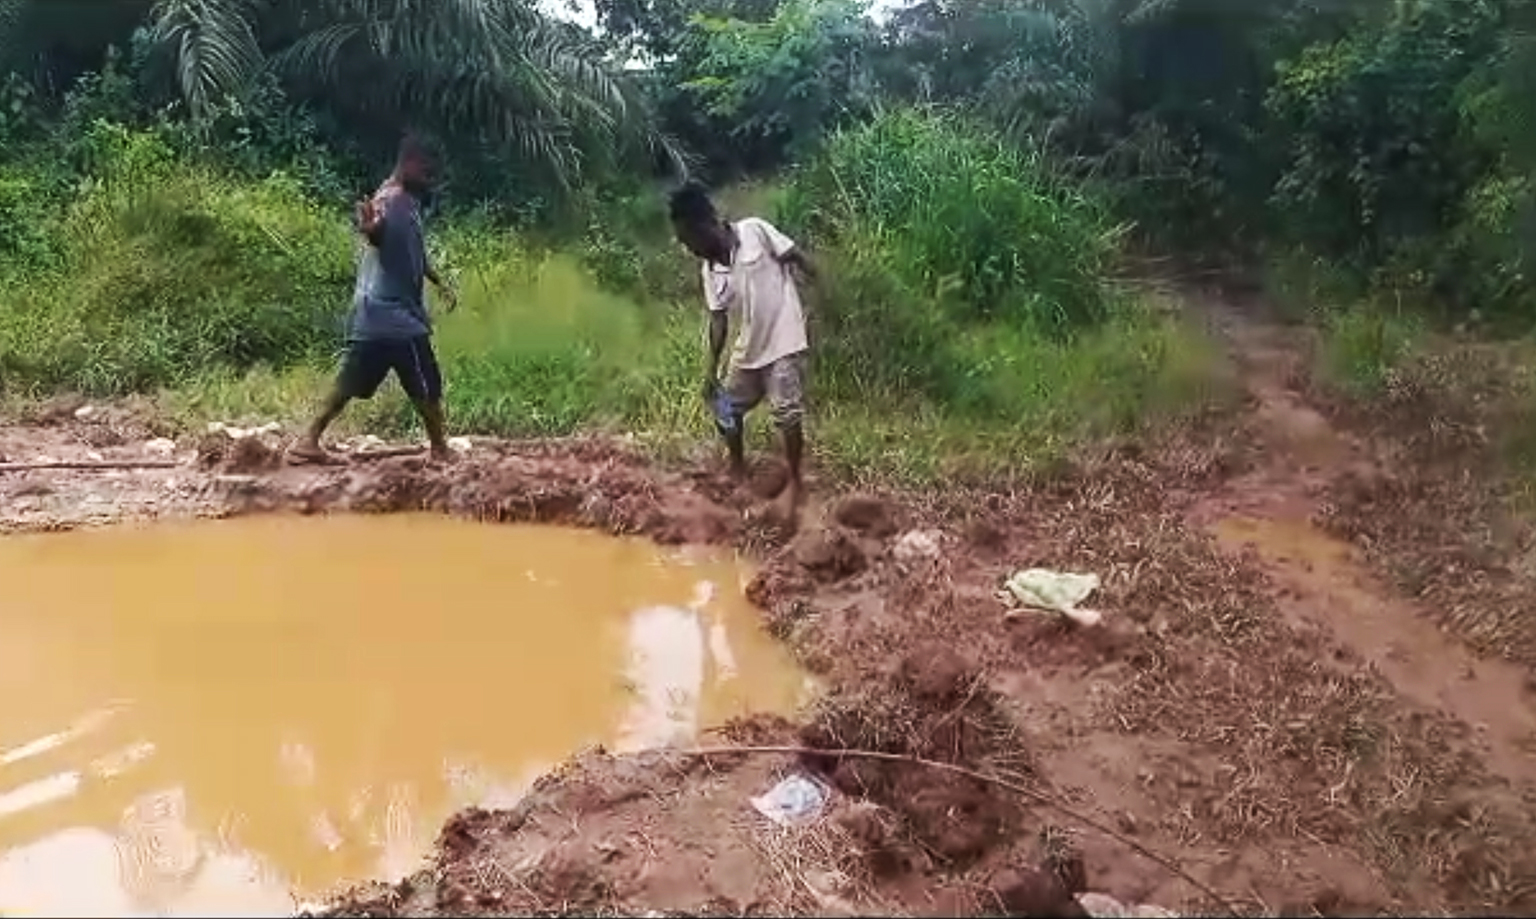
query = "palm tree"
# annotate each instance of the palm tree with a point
(496, 71)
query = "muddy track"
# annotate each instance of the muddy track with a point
(1255, 705)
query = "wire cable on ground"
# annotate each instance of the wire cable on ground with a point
(1037, 796)
(86, 465)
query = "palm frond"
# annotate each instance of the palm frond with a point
(214, 46)
(494, 68)
(1150, 10)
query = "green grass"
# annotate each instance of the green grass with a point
(539, 348)
(224, 301)
(1364, 347)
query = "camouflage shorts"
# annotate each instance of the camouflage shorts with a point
(782, 383)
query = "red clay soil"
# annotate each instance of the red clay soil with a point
(1223, 715)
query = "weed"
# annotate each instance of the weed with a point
(1363, 347)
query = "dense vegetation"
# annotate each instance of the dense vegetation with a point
(174, 179)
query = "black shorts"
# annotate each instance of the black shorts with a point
(367, 363)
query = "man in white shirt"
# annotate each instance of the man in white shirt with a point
(748, 281)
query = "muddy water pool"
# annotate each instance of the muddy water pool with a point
(226, 717)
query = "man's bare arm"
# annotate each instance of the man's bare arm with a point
(798, 260)
(719, 328)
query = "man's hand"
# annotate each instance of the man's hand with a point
(802, 263)
(367, 216)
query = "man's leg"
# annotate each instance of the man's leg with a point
(786, 397)
(362, 370)
(431, 412)
(744, 389)
(422, 380)
(308, 445)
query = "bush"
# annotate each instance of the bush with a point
(1381, 161)
(1363, 348)
(166, 272)
(963, 219)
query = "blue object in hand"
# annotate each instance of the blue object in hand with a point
(725, 412)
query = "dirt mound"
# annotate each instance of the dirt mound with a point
(219, 451)
(935, 708)
(1027, 892)
(829, 555)
(577, 484)
(868, 515)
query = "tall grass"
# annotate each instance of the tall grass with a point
(963, 219)
(166, 272)
(225, 299)
(969, 286)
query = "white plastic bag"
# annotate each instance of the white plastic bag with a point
(794, 800)
(1056, 591)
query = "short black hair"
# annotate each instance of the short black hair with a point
(690, 204)
(416, 147)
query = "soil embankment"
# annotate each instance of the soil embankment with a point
(1255, 707)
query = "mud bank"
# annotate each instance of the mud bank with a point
(1263, 756)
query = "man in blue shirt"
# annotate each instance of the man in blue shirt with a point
(389, 329)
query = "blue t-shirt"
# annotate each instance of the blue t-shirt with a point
(388, 302)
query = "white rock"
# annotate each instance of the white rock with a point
(1102, 906)
(216, 427)
(919, 544)
(460, 444)
(85, 411)
(94, 456)
(160, 446)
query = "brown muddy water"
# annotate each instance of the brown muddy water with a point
(230, 717)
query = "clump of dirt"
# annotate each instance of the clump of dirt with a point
(1028, 892)
(57, 410)
(936, 707)
(829, 554)
(218, 451)
(868, 515)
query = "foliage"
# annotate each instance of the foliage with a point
(173, 174)
(487, 72)
(1364, 348)
(165, 271)
(968, 222)
(774, 87)
(1375, 152)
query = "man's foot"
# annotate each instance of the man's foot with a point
(309, 453)
(738, 472)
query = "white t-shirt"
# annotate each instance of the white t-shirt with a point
(760, 295)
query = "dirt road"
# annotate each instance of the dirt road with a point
(1258, 707)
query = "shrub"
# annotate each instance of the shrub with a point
(168, 271)
(963, 218)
